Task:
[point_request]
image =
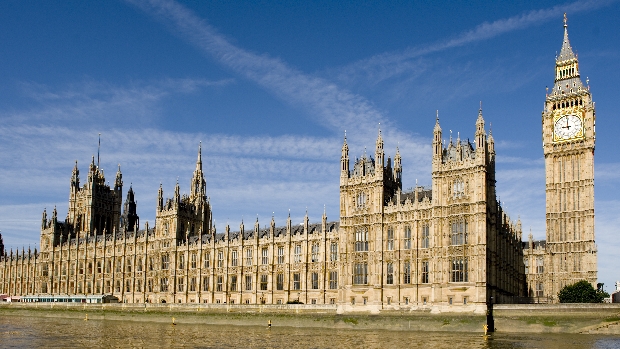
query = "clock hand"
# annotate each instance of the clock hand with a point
(567, 127)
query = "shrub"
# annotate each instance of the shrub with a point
(581, 292)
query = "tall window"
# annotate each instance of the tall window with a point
(194, 258)
(165, 261)
(540, 289)
(192, 284)
(407, 242)
(207, 260)
(297, 255)
(459, 232)
(526, 262)
(180, 284)
(205, 283)
(425, 236)
(333, 280)
(315, 252)
(407, 273)
(540, 268)
(296, 281)
(220, 259)
(280, 254)
(220, 281)
(163, 285)
(458, 188)
(333, 249)
(248, 282)
(248, 256)
(424, 272)
(263, 282)
(233, 283)
(360, 274)
(234, 258)
(390, 239)
(149, 285)
(390, 273)
(360, 200)
(315, 281)
(361, 240)
(280, 281)
(265, 258)
(459, 270)
(181, 262)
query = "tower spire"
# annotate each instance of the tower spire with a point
(379, 153)
(566, 53)
(567, 78)
(480, 132)
(98, 149)
(199, 161)
(437, 146)
(198, 184)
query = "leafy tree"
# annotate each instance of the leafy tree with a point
(581, 292)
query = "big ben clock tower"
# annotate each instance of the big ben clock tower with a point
(568, 142)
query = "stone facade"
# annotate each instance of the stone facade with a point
(449, 245)
(568, 122)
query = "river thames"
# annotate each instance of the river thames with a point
(43, 332)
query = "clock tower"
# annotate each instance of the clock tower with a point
(568, 142)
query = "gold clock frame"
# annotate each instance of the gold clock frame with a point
(580, 135)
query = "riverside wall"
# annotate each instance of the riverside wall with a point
(538, 318)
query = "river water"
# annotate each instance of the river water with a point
(39, 332)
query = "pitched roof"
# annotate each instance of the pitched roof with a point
(566, 53)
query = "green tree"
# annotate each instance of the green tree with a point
(581, 292)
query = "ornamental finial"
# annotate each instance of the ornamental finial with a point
(565, 25)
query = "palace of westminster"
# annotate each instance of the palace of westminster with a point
(448, 245)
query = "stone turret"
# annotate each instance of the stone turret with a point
(379, 156)
(130, 220)
(118, 183)
(198, 184)
(398, 168)
(160, 198)
(344, 160)
(481, 135)
(437, 146)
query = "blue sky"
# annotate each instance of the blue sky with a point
(269, 88)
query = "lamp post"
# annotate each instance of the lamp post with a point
(490, 320)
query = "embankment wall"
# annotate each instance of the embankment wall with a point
(538, 318)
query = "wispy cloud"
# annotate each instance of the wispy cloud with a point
(245, 175)
(91, 102)
(390, 64)
(337, 108)
(324, 101)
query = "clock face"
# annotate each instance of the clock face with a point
(567, 127)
